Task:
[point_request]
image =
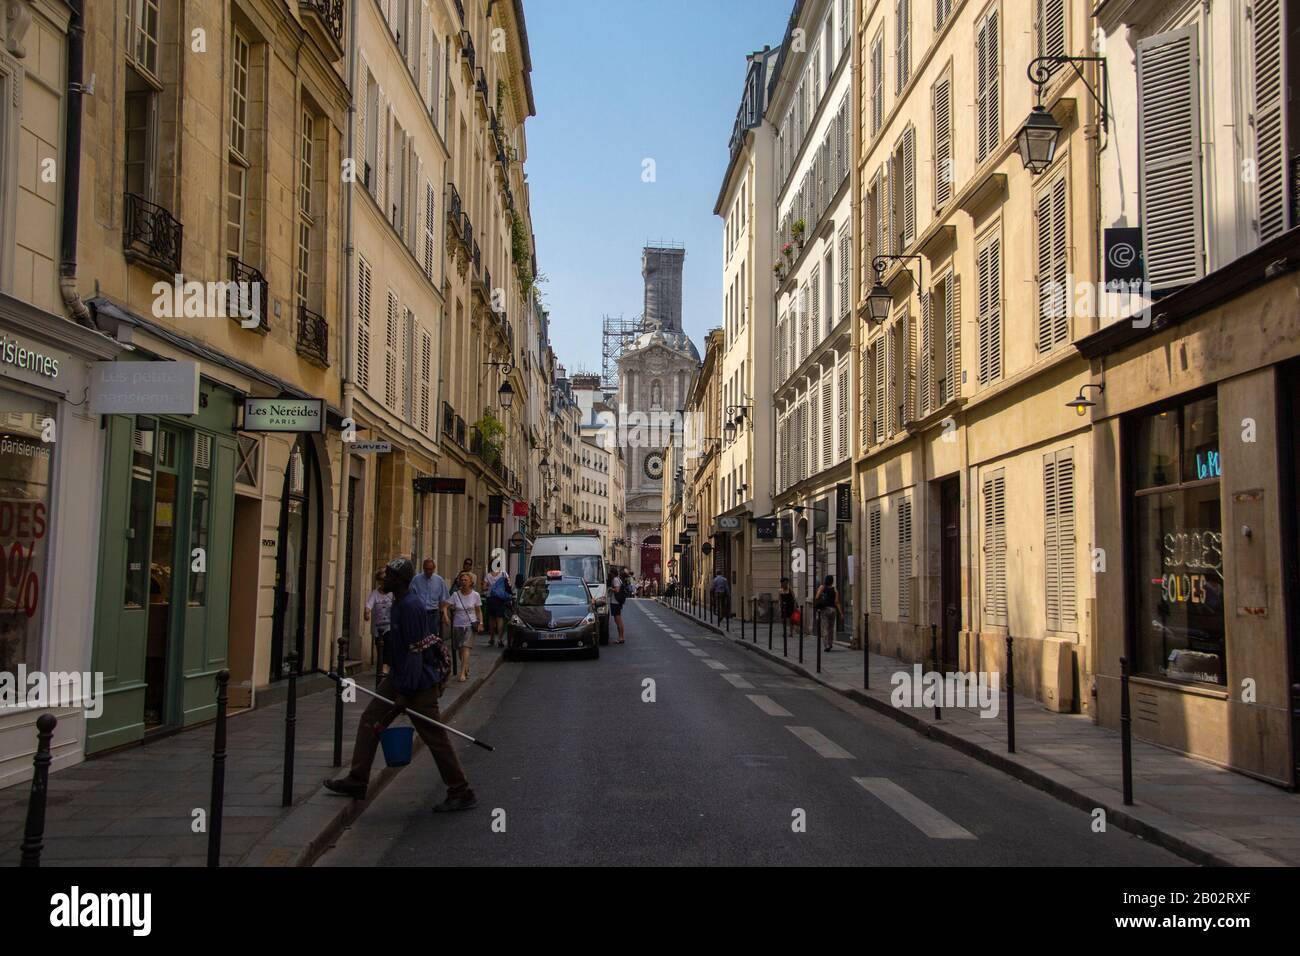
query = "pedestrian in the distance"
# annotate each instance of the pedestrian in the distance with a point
(617, 595)
(379, 606)
(827, 604)
(721, 595)
(468, 568)
(786, 598)
(497, 586)
(417, 673)
(466, 619)
(431, 589)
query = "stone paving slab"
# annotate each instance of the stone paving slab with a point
(1201, 811)
(134, 807)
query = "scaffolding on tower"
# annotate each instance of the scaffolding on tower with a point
(616, 333)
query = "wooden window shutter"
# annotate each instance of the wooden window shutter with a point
(1053, 266)
(891, 379)
(942, 143)
(986, 61)
(881, 414)
(846, 256)
(426, 378)
(907, 370)
(905, 559)
(995, 548)
(843, 398)
(364, 282)
(1051, 553)
(828, 421)
(952, 335)
(1051, 28)
(1268, 123)
(1169, 158)
(873, 545)
(390, 353)
(989, 312)
(925, 397)
(909, 188)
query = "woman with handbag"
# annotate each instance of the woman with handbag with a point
(827, 604)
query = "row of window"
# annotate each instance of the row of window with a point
(815, 308)
(819, 186)
(407, 354)
(829, 47)
(813, 433)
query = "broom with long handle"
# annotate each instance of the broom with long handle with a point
(349, 682)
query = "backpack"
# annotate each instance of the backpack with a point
(500, 589)
(429, 657)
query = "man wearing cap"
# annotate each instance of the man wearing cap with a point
(413, 682)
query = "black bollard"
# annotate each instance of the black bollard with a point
(216, 805)
(785, 636)
(817, 635)
(34, 833)
(1011, 699)
(379, 662)
(866, 650)
(340, 669)
(770, 611)
(934, 654)
(290, 719)
(1126, 731)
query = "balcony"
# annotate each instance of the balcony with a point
(448, 421)
(481, 84)
(324, 21)
(313, 336)
(460, 431)
(151, 236)
(246, 296)
(467, 48)
(460, 10)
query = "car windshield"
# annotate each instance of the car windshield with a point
(540, 591)
(589, 567)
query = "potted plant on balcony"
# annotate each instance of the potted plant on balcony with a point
(778, 269)
(493, 432)
(787, 250)
(797, 229)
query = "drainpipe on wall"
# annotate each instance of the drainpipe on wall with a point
(72, 169)
(345, 348)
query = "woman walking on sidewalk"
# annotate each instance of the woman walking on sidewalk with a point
(827, 604)
(466, 617)
(617, 595)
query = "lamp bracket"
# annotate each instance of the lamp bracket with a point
(1040, 74)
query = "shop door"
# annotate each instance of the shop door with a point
(159, 530)
(297, 565)
(950, 568)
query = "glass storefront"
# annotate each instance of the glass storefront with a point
(26, 465)
(1177, 541)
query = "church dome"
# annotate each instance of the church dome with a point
(677, 341)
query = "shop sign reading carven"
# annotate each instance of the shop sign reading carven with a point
(284, 415)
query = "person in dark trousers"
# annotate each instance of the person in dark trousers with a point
(787, 601)
(414, 682)
(827, 604)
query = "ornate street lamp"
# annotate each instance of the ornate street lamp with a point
(881, 300)
(1038, 136)
(1081, 403)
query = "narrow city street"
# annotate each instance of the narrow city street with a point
(713, 771)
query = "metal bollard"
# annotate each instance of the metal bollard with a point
(934, 655)
(340, 669)
(770, 611)
(34, 833)
(1126, 731)
(866, 650)
(1011, 697)
(785, 636)
(290, 720)
(379, 662)
(216, 805)
(817, 634)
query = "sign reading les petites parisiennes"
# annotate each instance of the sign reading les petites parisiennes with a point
(284, 415)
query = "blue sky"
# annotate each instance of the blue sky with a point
(616, 82)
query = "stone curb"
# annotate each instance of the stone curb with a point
(1150, 824)
(312, 826)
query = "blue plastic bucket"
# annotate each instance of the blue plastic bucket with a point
(397, 743)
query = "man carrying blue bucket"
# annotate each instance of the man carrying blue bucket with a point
(417, 671)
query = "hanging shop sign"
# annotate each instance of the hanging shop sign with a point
(144, 388)
(729, 523)
(519, 509)
(496, 509)
(296, 415)
(843, 503)
(765, 528)
(439, 485)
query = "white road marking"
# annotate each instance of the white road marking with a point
(735, 680)
(716, 665)
(913, 809)
(697, 652)
(768, 706)
(685, 643)
(820, 743)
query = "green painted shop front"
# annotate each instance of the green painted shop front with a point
(162, 605)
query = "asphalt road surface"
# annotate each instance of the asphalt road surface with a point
(736, 761)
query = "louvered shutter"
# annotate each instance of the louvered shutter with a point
(952, 336)
(843, 398)
(942, 143)
(380, 174)
(1051, 553)
(1053, 286)
(846, 255)
(426, 378)
(364, 282)
(882, 398)
(1051, 29)
(891, 378)
(873, 544)
(1268, 123)
(892, 224)
(1169, 158)
(904, 44)
(907, 370)
(408, 364)
(390, 353)
(1065, 538)
(877, 84)
(909, 188)
(987, 118)
(430, 222)
(925, 398)
(828, 421)
(864, 374)
(815, 284)
(990, 312)
(995, 548)
(359, 132)
(905, 559)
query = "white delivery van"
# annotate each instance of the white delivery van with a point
(580, 555)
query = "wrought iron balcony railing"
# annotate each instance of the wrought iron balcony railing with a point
(480, 84)
(478, 257)
(313, 335)
(448, 421)
(247, 296)
(460, 10)
(151, 235)
(460, 431)
(467, 48)
(330, 13)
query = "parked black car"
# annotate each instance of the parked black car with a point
(553, 613)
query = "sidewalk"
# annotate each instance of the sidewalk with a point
(134, 807)
(1203, 812)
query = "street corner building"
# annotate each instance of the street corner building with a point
(209, 230)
